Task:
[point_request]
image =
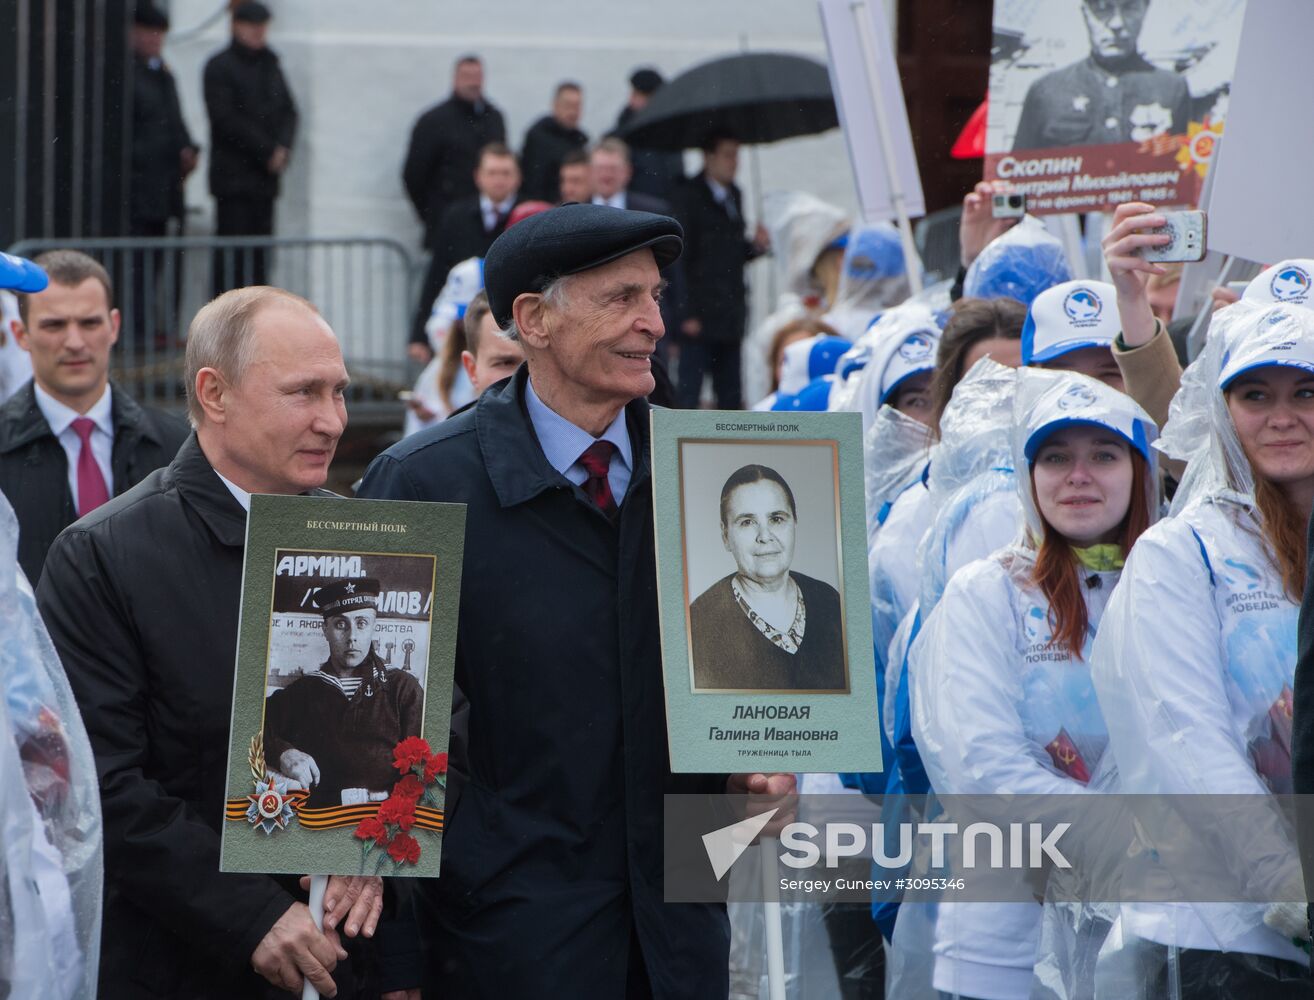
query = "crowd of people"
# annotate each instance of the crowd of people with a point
(461, 175)
(1087, 553)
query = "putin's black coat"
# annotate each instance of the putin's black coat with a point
(141, 599)
(553, 847)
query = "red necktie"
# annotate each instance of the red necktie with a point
(596, 461)
(92, 491)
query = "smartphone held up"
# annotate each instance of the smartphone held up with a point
(1189, 232)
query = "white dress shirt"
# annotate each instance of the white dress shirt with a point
(239, 494)
(61, 417)
(615, 201)
(493, 212)
(563, 443)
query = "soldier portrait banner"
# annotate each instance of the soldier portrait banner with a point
(1098, 102)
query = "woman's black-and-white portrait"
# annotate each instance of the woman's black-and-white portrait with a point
(762, 566)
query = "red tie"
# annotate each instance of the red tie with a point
(92, 491)
(596, 461)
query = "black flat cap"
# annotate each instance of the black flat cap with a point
(646, 80)
(569, 239)
(147, 15)
(252, 12)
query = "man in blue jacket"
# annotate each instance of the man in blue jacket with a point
(552, 857)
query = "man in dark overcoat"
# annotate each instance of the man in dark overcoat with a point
(440, 164)
(141, 599)
(253, 121)
(711, 210)
(552, 877)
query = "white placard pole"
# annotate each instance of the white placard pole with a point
(898, 199)
(318, 883)
(775, 938)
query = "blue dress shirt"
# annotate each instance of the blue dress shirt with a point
(563, 443)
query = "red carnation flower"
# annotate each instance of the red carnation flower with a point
(410, 787)
(393, 808)
(434, 766)
(409, 752)
(371, 828)
(404, 849)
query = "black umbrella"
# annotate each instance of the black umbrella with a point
(752, 97)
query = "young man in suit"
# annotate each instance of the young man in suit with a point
(70, 439)
(710, 208)
(470, 225)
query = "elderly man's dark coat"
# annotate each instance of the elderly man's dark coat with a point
(141, 599)
(34, 465)
(552, 856)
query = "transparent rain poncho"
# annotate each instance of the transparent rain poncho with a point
(50, 823)
(997, 711)
(864, 367)
(801, 227)
(895, 450)
(873, 277)
(1020, 264)
(971, 479)
(1194, 668)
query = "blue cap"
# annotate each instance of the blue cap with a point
(18, 274)
(810, 358)
(813, 396)
(1020, 265)
(874, 252)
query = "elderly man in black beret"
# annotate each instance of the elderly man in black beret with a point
(552, 855)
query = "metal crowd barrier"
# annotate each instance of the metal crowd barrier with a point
(365, 287)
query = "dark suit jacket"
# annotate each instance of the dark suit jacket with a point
(441, 159)
(34, 467)
(553, 848)
(546, 144)
(715, 252)
(461, 234)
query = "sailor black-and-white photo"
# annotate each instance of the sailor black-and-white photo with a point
(762, 566)
(348, 652)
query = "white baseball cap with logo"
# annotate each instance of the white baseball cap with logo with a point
(915, 355)
(1073, 399)
(1279, 336)
(1287, 281)
(1070, 317)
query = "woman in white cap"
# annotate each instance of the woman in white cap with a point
(1002, 697)
(1195, 660)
